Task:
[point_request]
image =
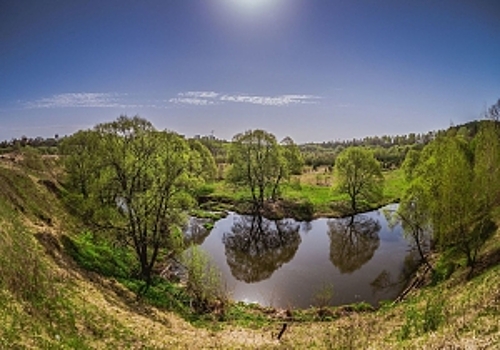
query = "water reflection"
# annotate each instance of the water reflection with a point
(195, 232)
(386, 281)
(256, 247)
(353, 241)
(261, 260)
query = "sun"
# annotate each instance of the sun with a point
(252, 5)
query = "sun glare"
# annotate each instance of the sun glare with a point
(252, 5)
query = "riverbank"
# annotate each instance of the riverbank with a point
(301, 199)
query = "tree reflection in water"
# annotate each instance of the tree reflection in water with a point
(353, 241)
(195, 232)
(385, 281)
(256, 247)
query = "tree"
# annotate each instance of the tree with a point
(292, 164)
(140, 184)
(454, 186)
(257, 163)
(413, 213)
(486, 146)
(410, 163)
(202, 162)
(358, 175)
(80, 150)
(494, 111)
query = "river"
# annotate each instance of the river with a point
(288, 263)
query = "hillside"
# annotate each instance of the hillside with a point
(48, 301)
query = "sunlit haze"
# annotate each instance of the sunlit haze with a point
(315, 70)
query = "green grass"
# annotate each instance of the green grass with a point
(33, 296)
(324, 199)
(100, 256)
(394, 185)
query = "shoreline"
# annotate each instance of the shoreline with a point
(287, 208)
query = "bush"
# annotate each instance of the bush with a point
(204, 190)
(32, 159)
(204, 281)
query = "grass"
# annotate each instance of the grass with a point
(314, 187)
(394, 184)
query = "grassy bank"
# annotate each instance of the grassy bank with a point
(49, 299)
(306, 196)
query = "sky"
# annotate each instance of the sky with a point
(314, 70)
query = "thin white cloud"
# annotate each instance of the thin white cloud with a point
(279, 101)
(191, 101)
(193, 98)
(204, 98)
(199, 94)
(79, 99)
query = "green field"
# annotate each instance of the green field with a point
(316, 188)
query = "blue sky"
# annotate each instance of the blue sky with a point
(315, 70)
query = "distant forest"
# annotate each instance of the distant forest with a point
(389, 150)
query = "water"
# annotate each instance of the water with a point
(299, 264)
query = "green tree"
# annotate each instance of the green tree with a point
(139, 186)
(414, 216)
(453, 189)
(359, 176)
(486, 145)
(80, 150)
(257, 163)
(291, 164)
(202, 162)
(410, 163)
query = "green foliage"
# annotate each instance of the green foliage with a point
(204, 282)
(486, 147)
(293, 158)
(260, 164)
(445, 266)
(454, 185)
(410, 163)
(98, 255)
(136, 182)
(202, 163)
(162, 294)
(79, 151)
(359, 176)
(256, 163)
(204, 190)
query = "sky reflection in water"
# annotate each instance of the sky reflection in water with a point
(288, 263)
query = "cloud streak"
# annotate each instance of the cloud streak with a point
(279, 101)
(192, 98)
(78, 100)
(205, 98)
